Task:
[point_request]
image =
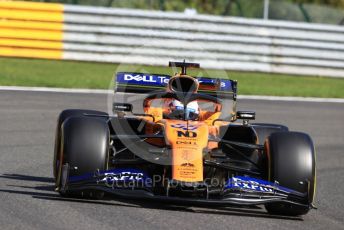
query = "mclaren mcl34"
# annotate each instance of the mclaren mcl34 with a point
(186, 146)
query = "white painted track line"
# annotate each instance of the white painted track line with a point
(54, 90)
(279, 98)
(101, 91)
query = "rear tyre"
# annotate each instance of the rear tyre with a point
(65, 114)
(85, 148)
(292, 163)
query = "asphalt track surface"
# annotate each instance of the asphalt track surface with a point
(28, 200)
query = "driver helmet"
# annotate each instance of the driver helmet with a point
(192, 109)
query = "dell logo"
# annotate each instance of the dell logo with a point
(143, 78)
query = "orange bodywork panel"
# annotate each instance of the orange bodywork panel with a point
(152, 128)
(156, 112)
(208, 117)
(187, 139)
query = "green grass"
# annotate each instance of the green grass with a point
(68, 74)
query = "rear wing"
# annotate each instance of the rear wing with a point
(127, 82)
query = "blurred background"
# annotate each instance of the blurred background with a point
(317, 11)
(53, 52)
(272, 47)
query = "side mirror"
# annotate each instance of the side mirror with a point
(122, 107)
(246, 116)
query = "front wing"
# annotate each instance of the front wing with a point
(133, 183)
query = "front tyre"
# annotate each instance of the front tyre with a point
(84, 148)
(291, 157)
(64, 115)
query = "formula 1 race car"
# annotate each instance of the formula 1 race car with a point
(186, 147)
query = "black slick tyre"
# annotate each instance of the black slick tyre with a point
(291, 157)
(84, 147)
(65, 114)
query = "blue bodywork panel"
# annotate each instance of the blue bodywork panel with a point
(120, 177)
(146, 83)
(243, 183)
